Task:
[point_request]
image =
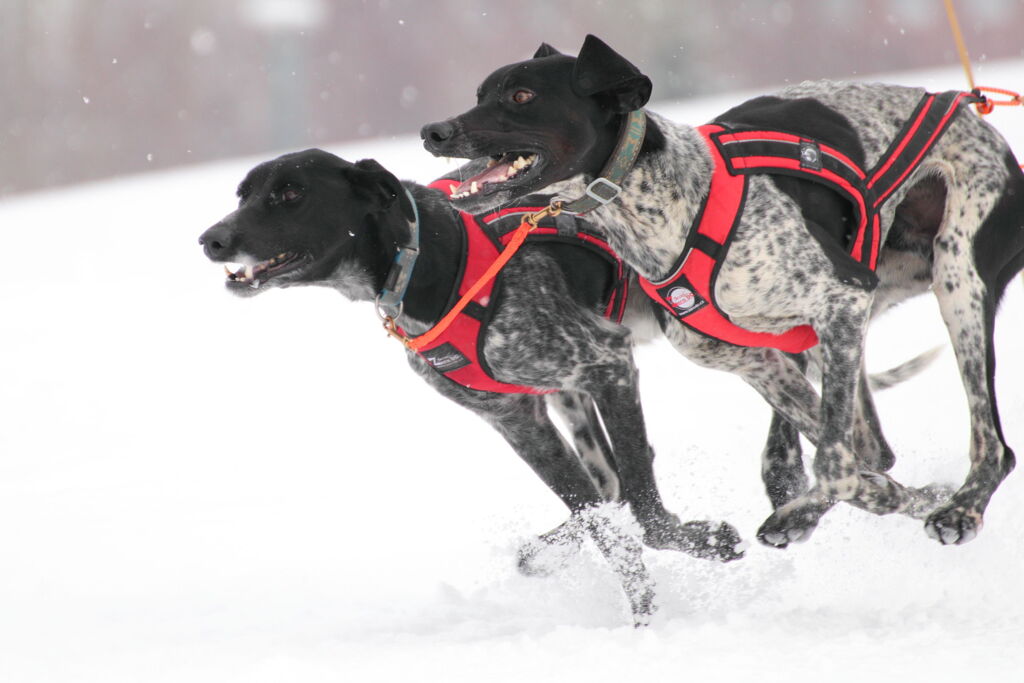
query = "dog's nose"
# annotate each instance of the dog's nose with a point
(437, 133)
(216, 241)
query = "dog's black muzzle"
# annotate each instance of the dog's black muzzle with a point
(440, 138)
(219, 241)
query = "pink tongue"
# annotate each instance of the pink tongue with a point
(495, 174)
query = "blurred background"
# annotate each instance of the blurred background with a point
(96, 88)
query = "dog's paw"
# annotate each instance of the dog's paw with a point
(641, 604)
(706, 540)
(781, 538)
(792, 523)
(550, 552)
(953, 524)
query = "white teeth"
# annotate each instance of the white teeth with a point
(492, 163)
(473, 189)
(250, 273)
(451, 188)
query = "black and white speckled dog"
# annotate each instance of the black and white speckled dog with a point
(311, 218)
(951, 219)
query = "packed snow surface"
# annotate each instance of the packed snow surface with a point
(195, 487)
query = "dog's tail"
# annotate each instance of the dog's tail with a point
(904, 371)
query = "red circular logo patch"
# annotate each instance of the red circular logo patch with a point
(681, 298)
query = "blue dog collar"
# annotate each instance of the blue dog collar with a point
(389, 300)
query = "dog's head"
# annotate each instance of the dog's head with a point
(309, 218)
(539, 122)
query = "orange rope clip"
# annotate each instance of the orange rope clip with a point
(987, 104)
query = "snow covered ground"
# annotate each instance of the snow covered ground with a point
(199, 488)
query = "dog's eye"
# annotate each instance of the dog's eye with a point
(291, 195)
(522, 96)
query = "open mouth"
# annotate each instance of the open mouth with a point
(257, 274)
(501, 169)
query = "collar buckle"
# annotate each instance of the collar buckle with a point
(605, 187)
(601, 182)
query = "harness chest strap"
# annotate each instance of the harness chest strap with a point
(453, 347)
(689, 292)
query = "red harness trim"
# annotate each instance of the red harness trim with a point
(696, 273)
(689, 292)
(931, 104)
(456, 353)
(756, 135)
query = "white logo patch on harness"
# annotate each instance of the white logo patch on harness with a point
(683, 299)
(446, 358)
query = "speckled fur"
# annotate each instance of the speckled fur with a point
(541, 335)
(774, 278)
(759, 289)
(589, 360)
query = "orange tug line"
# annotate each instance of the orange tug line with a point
(528, 225)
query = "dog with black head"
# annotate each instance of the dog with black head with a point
(781, 227)
(545, 336)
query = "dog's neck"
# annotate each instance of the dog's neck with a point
(361, 274)
(648, 222)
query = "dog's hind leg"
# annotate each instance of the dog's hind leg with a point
(869, 444)
(970, 272)
(876, 457)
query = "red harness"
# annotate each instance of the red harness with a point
(457, 352)
(689, 292)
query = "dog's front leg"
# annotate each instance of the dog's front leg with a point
(782, 468)
(615, 391)
(780, 380)
(550, 551)
(588, 439)
(782, 464)
(524, 423)
(837, 471)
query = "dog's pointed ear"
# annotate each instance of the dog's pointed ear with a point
(378, 184)
(545, 50)
(602, 72)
